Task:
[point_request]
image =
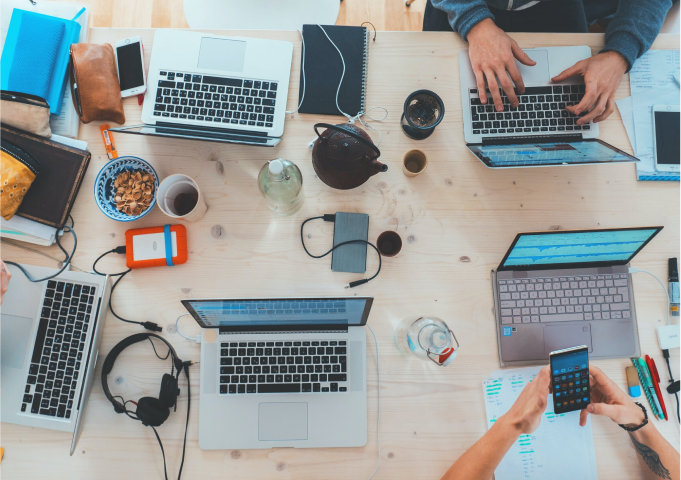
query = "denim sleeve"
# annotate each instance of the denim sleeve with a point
(635, 26)
(463, 14)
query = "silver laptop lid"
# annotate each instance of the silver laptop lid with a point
(286, 314)
(549, 151)
(576, 248)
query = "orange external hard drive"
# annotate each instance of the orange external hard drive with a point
(156, 246)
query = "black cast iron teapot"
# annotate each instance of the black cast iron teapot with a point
(344, 156)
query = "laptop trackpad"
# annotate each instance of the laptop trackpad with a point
(282, 421)
(557, 337)
(539, 73)
(15, 335)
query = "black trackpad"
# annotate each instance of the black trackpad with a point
(557, 337)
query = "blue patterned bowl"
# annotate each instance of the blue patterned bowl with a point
(105, 190)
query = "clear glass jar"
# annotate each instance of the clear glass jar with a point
(281, 183)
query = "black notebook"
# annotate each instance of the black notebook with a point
(321, 70)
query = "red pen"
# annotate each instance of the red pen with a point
(656, 381)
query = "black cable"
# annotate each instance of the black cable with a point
(186, 425)
(65, 263)
(159, 356)
(665, 354)
(165, 471)
(121, 250)
(330, 218)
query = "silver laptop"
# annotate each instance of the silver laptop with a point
(286, 372)
(558, 289)
(539, 131)
(209, 87)
(50, 341)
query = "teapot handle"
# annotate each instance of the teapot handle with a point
(349, 132)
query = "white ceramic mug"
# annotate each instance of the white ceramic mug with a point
(180, 197)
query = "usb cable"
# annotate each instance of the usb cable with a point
(330, 217)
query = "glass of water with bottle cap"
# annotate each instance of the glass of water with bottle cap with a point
(427, 338)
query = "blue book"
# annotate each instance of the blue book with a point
(36, 55)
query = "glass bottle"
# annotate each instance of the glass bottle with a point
(281, 183)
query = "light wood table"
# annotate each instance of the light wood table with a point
(456, 220)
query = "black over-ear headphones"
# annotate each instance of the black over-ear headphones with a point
(151, 411)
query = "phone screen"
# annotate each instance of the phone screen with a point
(130, 69)
(570, 379)
(667, 137)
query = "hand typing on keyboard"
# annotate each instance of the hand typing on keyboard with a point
(602, 75)
(493, 55)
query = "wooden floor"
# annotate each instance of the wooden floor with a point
(384, 14)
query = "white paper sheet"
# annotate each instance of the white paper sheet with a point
(654, 80)
(558, 450)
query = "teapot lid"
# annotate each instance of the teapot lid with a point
(350, 132)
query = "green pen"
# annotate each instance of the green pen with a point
(647, 384)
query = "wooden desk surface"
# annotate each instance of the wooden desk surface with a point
(456, 220)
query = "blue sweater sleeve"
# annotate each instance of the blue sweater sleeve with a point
(464, 14)
(635, 26)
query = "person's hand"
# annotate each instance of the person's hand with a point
(493, 55)
(609, 400)
(526, 412)
(602, 75)
(5, 276)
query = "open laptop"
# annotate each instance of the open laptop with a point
(558, 289)
(284, 372)
(50, 342)
(539, 131)
(203, 86)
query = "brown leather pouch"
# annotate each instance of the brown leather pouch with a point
(94, 83)
(25, 112)
(18, 170)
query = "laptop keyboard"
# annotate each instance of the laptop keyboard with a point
(58, 351)
(541, 109)
(561, 299)
(215, 99)
(283, 367)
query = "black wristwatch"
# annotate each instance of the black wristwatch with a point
(643, 423)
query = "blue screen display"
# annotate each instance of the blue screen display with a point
(278, 312)
(577, 247)
(526, 155)
(570, 362)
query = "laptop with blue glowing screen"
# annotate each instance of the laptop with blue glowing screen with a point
(558, 289)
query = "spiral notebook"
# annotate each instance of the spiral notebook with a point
(321, 69)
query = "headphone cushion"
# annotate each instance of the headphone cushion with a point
(151, 411)
(169, 391)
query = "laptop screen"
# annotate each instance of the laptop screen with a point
(280, 312)
(577, 248)
(549, 153)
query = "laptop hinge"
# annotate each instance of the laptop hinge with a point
(203, 129)
(532, 139)
(285, 329)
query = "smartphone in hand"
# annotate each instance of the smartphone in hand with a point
(570, 379)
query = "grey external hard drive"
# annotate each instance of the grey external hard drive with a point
(351, 257)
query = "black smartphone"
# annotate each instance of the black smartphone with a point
(570, 379)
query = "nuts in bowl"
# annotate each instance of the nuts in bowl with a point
(134, 192)
(125, 188)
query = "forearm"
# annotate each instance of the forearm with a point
(659, 460)
(635, 26)
(480, 461)
(463, 14)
